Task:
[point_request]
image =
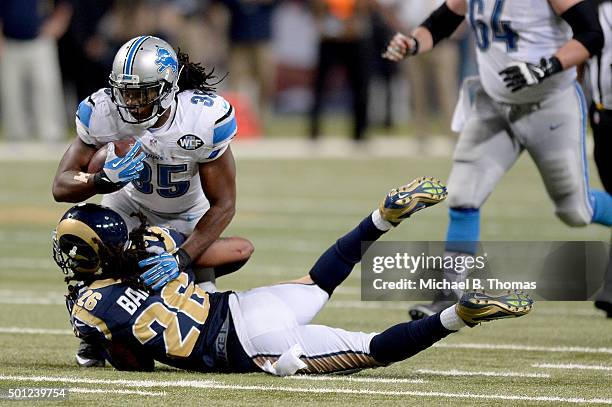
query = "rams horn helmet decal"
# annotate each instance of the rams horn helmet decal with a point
(84, 235)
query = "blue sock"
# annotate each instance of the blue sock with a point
(602, 207)
(335, 265)
(404, 340)
(463, 230)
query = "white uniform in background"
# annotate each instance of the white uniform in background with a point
(199, 129)
(600, 66)
(548, 119)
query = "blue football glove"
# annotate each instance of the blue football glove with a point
(165, 268)
(119, 171)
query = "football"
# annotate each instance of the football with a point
(121, 148)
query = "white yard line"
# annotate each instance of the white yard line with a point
(571, 366)
(272, 148)
(47, 298)
(214, 385)
(34, 331)
(454, 372)
(28, 263)
(475, 346)
(525, 348)
(116, 391)
(356, 379)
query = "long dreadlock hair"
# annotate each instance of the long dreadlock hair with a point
(195, 76)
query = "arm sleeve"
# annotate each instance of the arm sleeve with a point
(582, 17)
(442, 23)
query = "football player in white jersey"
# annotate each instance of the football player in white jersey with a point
(525, 98)
(184, 175)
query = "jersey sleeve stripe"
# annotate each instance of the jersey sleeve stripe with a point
(84, 316)
(225, 131)
(84, 113)
(226, 115)
(214, 154)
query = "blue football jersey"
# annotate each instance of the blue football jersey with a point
(177, 326)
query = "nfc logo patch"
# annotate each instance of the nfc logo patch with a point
(190, 142)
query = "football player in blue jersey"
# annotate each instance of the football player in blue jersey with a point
(160, 314)
(181, 170)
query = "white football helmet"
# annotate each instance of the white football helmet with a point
(144, 80)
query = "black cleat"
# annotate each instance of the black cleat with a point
(605, 306)
(89, 355)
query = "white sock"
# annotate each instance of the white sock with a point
(450, 320)
(379, 222)
(208, 286)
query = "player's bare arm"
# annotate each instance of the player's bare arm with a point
(72, 183)
(439, 25)
(218, 180)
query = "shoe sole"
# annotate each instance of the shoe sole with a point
(408, 205)
(480, 307)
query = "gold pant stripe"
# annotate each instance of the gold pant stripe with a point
(328, 364)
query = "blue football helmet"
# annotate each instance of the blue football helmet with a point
(86, 240)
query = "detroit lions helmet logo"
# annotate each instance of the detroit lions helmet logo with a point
(164, 60)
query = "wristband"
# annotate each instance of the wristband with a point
(103, 185)
(182, 258)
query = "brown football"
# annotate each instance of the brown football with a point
(99, 158)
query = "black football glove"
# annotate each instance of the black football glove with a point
(522, 74)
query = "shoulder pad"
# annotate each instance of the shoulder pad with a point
(209, 117)
(94, 116)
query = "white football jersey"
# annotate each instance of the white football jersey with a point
(509, 31)
(200, 127)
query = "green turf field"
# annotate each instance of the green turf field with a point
(292, 210)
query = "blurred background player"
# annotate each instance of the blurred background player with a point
(526, 98)
(600, 113)
(251, 56)
(30, 82)
(263, 329)
(344, 32)
(433, 85)
(183, 131)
